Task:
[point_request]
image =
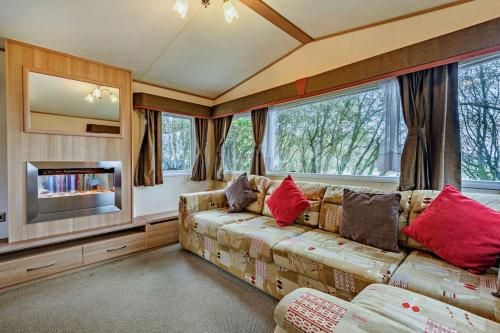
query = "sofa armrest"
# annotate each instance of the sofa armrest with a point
(200, 201)
(309, 310)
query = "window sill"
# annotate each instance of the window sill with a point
(381, 179)
(481, 184)
(174, 173)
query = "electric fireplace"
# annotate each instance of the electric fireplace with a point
(60, 190)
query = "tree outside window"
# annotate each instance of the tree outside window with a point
(177, 142)
(479, 106)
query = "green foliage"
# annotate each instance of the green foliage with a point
(479, 105)
(238, 146)
(339, 135)
(176, 143)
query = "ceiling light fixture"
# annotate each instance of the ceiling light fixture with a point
(98, 92)
(181, 7)
(230, 12)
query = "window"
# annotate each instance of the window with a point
(177, 142)
(238, 146)
(479, 107)
(357, 132)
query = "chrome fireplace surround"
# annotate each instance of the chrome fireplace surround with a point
(61, 190)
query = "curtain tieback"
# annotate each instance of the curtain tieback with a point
(416, 130)
(257, 147)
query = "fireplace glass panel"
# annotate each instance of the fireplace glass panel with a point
(58, 190)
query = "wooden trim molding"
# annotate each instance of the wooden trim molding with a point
(456, 46)
(172, 89)
(165, 104)
(278, 20)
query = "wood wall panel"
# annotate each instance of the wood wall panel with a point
(23, 147)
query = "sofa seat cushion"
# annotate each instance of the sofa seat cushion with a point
(336, 261)
(309, 310)
(420, 313)
(207, 222)
(257, 236)
(426, 274)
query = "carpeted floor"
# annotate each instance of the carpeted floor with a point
(165, 290)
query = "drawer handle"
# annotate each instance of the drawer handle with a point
(41, 267)
(118, 248)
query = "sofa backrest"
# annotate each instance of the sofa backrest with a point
(331, 208)
(314, 192)
(421, 199)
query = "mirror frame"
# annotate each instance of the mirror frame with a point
(26, 105)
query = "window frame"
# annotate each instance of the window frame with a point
(469, 183)
(185, 172)
(229, 171)
(336, 94)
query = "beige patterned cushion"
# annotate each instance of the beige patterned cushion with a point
(257, 237)
(309, 310)
(331, 209)
(314, 192)
(335, 261)
(425, 274)
(260, 185)
(208, 222)
(420, 313)
(421, 199)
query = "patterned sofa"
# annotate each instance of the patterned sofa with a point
(312, 254)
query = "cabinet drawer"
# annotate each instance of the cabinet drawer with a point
(114, 247)
(38, 265)
(162, 233)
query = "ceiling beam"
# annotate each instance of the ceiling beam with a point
(278, 20)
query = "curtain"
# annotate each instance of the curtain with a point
(148, 169)
(431, 153)
(259, 120)
(199, 172)
(221, 129)
(389, 157)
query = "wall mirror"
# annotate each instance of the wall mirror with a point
(59, 105)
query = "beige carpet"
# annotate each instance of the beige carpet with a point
(165, 290)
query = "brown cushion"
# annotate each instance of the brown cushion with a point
(371, 219)
(239, 194)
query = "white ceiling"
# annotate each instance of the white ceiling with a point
(56, 95)
(319, 18)
(201, 54)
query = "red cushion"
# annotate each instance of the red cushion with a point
(287, 202)
(459, 230)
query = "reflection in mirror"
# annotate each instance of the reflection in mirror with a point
(58, 104)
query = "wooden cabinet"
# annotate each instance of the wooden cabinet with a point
(114, 247)
(161, 233)
(30, 267)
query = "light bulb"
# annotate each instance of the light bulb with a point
(89, 98)
(230, 12)
(181, 7)
(97, 92)
(113, 98)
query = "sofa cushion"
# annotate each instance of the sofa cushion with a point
(420, 313)
(336, 261)
(240, 194)
(426, 274)
(257, 236)
(331, 208)
(421, 199)
(460, 230)
(259, 184)
(207, 222)
(371, 219)
(287, 202)
(314, 192)
(309, 310)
